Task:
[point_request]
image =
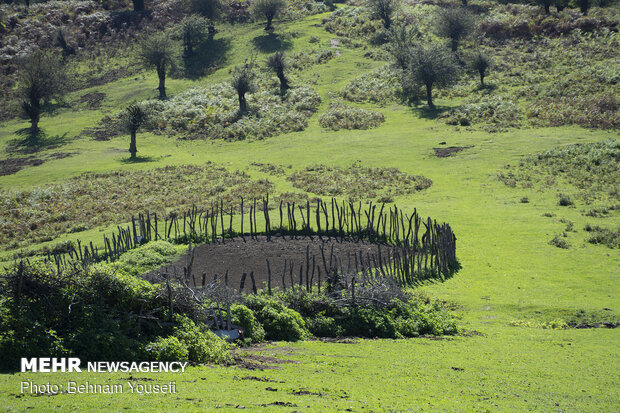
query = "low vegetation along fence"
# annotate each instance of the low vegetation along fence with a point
(408, 248)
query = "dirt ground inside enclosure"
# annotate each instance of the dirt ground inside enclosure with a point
(238, 256)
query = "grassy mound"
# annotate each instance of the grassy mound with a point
(213, 113)
(593, 170)
(357, 182)
(347, 117)
(90, 200)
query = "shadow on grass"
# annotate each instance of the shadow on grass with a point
(138, 159)
(25, 144)
(272, 42)
(208, 56)
(426, 112)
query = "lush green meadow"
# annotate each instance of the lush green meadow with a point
(512, 288)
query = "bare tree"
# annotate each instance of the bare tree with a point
(481, 63)
(277, 63)
(158, 51)
(41, 78)
(430, 67)
(268, 9)
(384, 10)
(243, 83)
(132, 119)
(455, 24)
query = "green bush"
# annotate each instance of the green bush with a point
(202, 344)
(322, 326)
(150, 256)
(244, 317)
(167, 349)
(280, 322)
(347, 117)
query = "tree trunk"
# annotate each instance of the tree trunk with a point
(34, 113)
(464, 2)
(429, 95)
(161, 73)
(547, 6)
(455, 44)
(132, 145)
(387, 22)
(482, 79)
(138, 5)
(243, 105)
(283, 83)
(269, 25)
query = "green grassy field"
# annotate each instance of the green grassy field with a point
(510, 273)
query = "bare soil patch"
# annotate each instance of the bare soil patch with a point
(13, 165)
(449, 151)
(239, 256)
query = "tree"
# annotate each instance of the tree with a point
(561, 4)
(41, 78)
(138, 5)
(384, 10)
(158, 51)
(192, 31)
(584, 6)
(210, 9)
(546, 5)
(267, 9)
(243, 83)
(481, 63)
(401, 41)
(277, 63)
(430, 67)
(132, 119)
(454, 23)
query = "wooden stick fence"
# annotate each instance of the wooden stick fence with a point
(413, 249)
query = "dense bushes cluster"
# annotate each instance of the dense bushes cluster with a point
(495, 112)
(213, 113)
(296, 313)
(340, 116)
(379, 86)
(103, 312)
(90, 200)
(357, 182)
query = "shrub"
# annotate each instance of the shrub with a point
(339, 116)
(167, 349)
(605, 236)
(244, 317)
(203, 345)
(150, 256)
(280, 322)
(564, 200)
(379, 86)
(559, 242)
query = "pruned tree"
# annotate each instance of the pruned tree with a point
(455, 24)
(267, 9)
(481, 63)
(243, 83)
(192, 31)
(561, 4)
(277, 63)
(138, 5)
(158, 51)
(384, 10)
(546, 5)
(584, 6)
(132, 119)
(401, 41)
(430, 67)
(42, 78)
(211, 9)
